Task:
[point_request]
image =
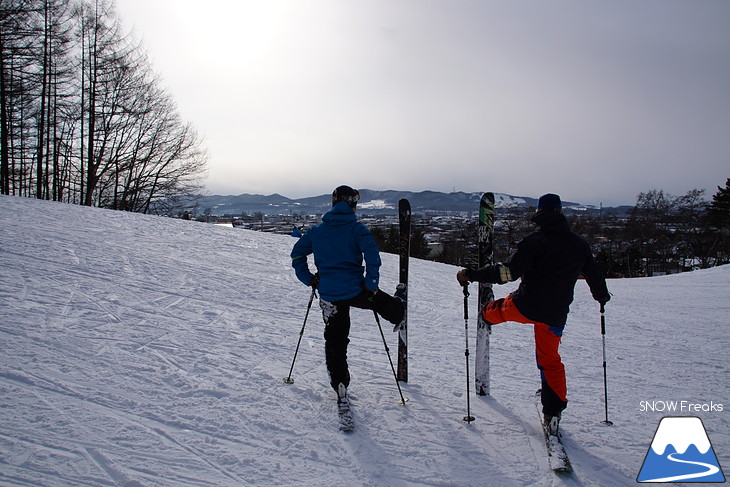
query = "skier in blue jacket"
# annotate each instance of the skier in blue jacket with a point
(340, 244)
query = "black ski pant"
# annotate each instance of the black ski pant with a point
(337, 328)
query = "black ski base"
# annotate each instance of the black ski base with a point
(404, 252)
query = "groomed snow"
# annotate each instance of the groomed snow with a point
(147, 351)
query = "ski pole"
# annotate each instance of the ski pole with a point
(288, 378)
(468, 418)
(403, 400)
(605, 381)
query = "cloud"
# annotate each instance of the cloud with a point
(593, 99)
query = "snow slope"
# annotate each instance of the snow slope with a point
(146, 351)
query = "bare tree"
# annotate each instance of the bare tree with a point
(17, 44)
(82, 118)
(138, 150)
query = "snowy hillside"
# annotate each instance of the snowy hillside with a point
(145, 351)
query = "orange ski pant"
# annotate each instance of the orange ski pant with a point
(547, 340)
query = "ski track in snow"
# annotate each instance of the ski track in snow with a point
(145, 351)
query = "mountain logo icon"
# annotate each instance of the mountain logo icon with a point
(681, 452)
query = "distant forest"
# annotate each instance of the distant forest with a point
(83, 118)
(663, 234)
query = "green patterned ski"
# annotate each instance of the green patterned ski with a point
(486, 257)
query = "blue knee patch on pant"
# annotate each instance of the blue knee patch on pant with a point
(557, 330)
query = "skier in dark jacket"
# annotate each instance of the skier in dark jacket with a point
(549, 262)
(339, 244)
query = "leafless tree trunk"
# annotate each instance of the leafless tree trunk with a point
(82, 119)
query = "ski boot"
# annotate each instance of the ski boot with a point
(552, 425)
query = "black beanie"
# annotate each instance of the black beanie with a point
(549, 201)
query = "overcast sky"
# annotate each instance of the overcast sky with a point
(594, 100)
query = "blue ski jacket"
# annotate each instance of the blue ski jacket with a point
(339, 244)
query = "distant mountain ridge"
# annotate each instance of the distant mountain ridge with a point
(371, 202)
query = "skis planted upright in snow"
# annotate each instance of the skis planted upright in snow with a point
(486, 257)
(404, 251)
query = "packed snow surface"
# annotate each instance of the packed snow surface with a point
(148, 351)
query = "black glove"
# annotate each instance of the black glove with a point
(314, 283)
(603, 299)
(370, 295)
(463, 277)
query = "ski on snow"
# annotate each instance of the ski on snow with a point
(556, 454)
(486, 257)
(346, 421)
(404, 251)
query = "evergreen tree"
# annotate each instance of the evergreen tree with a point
(419, 244)
(718, 213)
(718, 219)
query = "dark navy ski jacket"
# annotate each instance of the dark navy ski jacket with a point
(339, 244)
(549, 262)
